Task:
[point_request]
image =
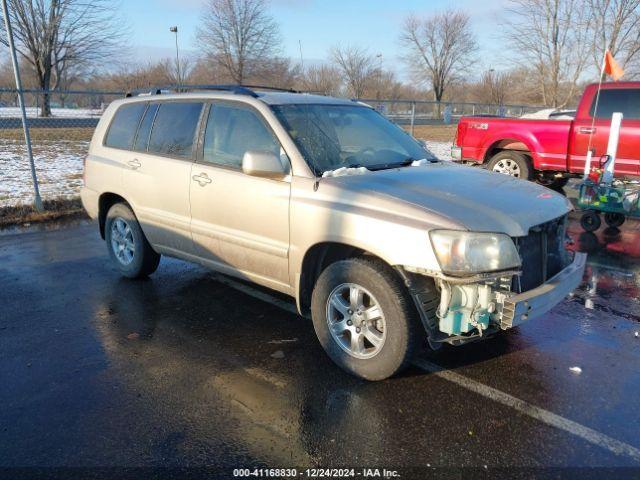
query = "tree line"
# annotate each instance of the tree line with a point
(552, 48)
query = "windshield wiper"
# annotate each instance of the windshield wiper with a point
(383, 166)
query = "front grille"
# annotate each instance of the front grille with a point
(543, 254)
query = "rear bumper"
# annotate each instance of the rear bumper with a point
(456, 154)
(525, 306)
(90, 201)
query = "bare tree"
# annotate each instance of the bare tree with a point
(550, 37)
(438, 49)
(616, 26)
(357, 66)
(238, 35)
(54, 36)
(495, 86)
(275, 72)
(323, 79)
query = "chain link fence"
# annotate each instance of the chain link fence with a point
(420, 112)
(62, 123)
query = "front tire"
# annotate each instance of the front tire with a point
(364, 318)
(128, 247)
(512, 163)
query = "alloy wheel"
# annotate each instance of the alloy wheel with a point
(122, 241)
(356, 321)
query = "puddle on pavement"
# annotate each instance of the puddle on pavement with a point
(612, 277)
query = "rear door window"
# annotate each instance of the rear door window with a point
(614, 100)
(142, 139)
(174, 129)
(124, 125)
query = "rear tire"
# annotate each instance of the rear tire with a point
(512, 163)
(128, 247)
(590, 221)
(613, 219)
(335, 308)
(552, 183)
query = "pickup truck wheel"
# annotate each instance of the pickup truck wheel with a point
(512, 163)
(364, 318)
(128, 248)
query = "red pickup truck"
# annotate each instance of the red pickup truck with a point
(550, 151)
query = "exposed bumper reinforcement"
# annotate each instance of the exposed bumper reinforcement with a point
(525, 306)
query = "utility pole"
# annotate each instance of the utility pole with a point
(379, 90)
(25, 126)
(175, 30)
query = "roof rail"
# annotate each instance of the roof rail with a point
(237, 89)
(275, 89)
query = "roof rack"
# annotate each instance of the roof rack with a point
(237, 89)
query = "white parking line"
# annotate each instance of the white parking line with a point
(545, 416)
(592, 436)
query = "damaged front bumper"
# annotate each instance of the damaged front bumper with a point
(519, 308)
(472, 307)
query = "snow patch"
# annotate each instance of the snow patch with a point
(421, 163)
(58, 165)
(440, 150)
(14, 112)
(344, 171)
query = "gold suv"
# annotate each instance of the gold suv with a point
(388, 249)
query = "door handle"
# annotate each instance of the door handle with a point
(587, 130)
(203, 179)
(134, 164)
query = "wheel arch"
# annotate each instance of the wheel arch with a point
(315, 260)
(506, 144)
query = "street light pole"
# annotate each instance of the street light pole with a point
(27, 137)
(379, 90)
(175, 30)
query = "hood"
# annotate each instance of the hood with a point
(479, 200)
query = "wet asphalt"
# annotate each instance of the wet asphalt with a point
(183, 370)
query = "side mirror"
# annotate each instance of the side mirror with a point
(260, 163)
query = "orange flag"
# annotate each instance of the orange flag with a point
(611, 67)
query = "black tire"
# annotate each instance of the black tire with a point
(404, 333)
(510, 157)
(552, 183)
(590, 221)
(614, 220)
(145, 259)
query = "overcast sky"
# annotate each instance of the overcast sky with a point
(317, 24)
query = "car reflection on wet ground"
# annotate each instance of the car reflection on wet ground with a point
(185, 369)
(613, 272)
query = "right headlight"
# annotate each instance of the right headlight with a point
(463, 253)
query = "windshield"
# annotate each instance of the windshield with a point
(335, 136)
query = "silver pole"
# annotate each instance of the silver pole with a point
(413, 116)
(175, 30)
(27, 137)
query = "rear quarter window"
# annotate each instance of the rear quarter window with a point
(625, 100)
(123, 127)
